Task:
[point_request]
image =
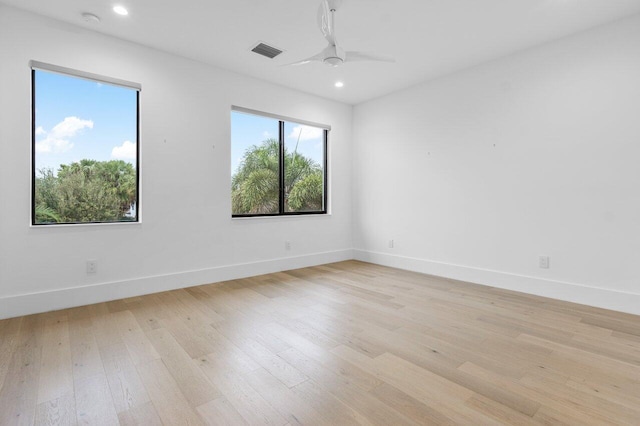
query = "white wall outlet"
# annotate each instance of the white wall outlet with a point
(287, 245)
(391, 243)
(92, 267)
(543, 262)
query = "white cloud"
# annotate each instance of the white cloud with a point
(53, 145)
(126, 151)
(305, 132)
(57, 140)
(266, 134)
(69, 127)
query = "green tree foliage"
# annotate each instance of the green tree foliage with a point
(255, 186)
(306, 194)
(85, 191)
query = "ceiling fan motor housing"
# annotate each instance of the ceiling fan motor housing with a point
(333, 61)
(333, 56)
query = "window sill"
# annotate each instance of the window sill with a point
(283, 216)
(81, 225)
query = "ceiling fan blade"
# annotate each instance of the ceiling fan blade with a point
(317, 57)
(325, 22)
(366, 56)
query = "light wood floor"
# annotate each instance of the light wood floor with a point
(346, 343)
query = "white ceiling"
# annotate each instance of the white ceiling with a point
(428, 38)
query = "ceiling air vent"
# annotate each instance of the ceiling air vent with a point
(266, 50)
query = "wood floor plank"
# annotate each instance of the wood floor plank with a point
(105, 325)
(408, 377)
(94, 405)
(85, 355)
(449, 397)
(309, 333)
(294, 340)
(348, 343)
(609, 410)
(333, 410)
(19, 393)
(409, 406)
(56, 377)
(196, 340)
(556, 417)
(436, 361)
(579, 413)
(234, 331)
(144, 414)
(197, 307)
(60, 411)
(375, 411)
(610, 393)
(228, 352)
(138, 345)
(628, 325)
(146, 312)
(195, 386)
(125, 384)
(245, 399)
(220, 412)
(278, 367)
(9, 331)
(587, 358)
(497, 411)
(171, 405)
(284, 400)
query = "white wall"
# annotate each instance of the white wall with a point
(187, 236)
(474, 175)
(477, 174)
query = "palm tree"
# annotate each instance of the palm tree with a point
(46, 214)
(255, 187)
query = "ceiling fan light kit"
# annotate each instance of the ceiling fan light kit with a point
(333, 55)
(333, 61)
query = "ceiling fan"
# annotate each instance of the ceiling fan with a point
(333, 55)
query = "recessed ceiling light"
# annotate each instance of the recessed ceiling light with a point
(339, 84)
(120, 10)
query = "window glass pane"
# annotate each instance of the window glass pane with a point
(255, 152)
(85, 151)
(303, 168)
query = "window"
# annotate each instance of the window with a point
(85, 154)
(278, 165)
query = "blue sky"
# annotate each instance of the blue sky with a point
(81, 119)
(248, 130)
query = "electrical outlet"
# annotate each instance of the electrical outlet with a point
(92, 267)
(287, 245)
(543, 262)
(391, 243)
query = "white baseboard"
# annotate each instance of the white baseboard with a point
(570, 292)
(26, 304)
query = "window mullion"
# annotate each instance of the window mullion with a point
(325, 172)
(281, 164)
